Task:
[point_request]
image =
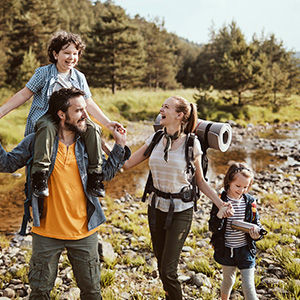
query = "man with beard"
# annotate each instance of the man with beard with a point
(70, 216)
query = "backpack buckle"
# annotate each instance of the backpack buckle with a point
(186, 193)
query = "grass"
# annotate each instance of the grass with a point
(198, 231)
(135, 105)
(293, 291)
(288, 263)
(4, 242)
(142, 104)
(107, 278)
(202, 266)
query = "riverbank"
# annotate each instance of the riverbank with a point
(129, 270)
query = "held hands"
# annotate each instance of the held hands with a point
(226, 210)
(119, 135)
(113, 124)
(254, 233)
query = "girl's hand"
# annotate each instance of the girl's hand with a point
(254, 233)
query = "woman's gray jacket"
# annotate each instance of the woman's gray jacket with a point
(20, 155)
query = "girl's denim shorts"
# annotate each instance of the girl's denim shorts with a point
(239, 257)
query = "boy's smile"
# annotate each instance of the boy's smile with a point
(66, 58)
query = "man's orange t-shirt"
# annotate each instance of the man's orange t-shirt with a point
(65, 215)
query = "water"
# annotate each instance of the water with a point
(132, 181)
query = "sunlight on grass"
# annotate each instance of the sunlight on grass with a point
(138, 101)
(201, 266)
(4, 242)
(293, 291)
(288, 262)
(268, 242)
(107, 278)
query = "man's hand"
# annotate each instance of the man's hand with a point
(225, 211)
(119, 135)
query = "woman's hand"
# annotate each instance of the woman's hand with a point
(226, 210)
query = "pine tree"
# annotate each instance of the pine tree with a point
(76, 16)
(27, 68)
(32, 23)
(8, 8)
(237, 70)
(161, 70)
(280, 76)
(187, 54)
(114, 56)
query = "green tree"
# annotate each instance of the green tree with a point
(77, 16)
(27, 68)
(238, 70)
(201, 69)
(186, 55)
(8, 8)
(31, 25)
(115, 54)
(281, 72)
(161, 56)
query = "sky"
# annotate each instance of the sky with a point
(192, 19)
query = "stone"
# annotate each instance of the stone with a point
(200, 280)
(9, 293)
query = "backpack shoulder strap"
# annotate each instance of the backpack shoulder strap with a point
(27, 203)
(191, 169)
(156, 138)
(149, 183)
(189, 148)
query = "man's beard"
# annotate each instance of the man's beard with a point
(74, 128)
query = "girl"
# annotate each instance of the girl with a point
(64, 52)
(167, 163)
(234, 248)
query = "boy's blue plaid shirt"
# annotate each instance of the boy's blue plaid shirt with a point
(41, 84)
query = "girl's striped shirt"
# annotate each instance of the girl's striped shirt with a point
(236, 238)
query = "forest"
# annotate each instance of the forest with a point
(124, 52)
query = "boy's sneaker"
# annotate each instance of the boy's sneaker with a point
(95, 185)
(39, 183)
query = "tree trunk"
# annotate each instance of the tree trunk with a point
(240, 98)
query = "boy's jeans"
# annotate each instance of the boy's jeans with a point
(83, 256)
(46, 131)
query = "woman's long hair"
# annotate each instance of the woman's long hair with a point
(190, 115)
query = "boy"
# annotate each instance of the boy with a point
(64, 52)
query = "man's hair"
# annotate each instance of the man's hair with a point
(63, 39)
(60, 100)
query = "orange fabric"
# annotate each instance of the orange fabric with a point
(64, 215)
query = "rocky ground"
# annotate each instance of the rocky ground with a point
(129, 259)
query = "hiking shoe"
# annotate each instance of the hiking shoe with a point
(39, 183)
(95, 185)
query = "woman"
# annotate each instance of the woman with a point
(167, 164)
